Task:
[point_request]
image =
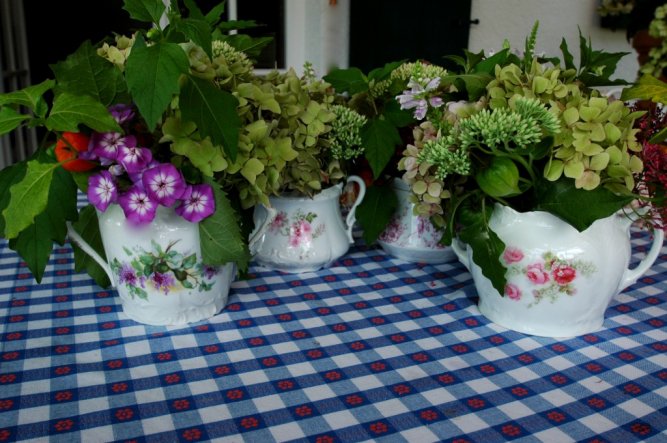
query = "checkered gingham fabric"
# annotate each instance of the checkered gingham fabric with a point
(371, 349)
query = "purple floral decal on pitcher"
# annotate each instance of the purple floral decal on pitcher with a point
(164, 270)
(299, 229)
(549, 276)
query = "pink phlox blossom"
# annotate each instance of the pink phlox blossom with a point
(163, 183)
(197, 203)
(102, 190)
(134, 159)
(137, 206)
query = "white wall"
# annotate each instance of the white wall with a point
(513, 20)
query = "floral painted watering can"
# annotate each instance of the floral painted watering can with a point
(304, 234)
(412, 237)
(157, 268)
(559, 281)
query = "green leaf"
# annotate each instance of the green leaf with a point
(215, 14)
(145, 10)
(488, 65)
(34, 244)
(568, 58)
(379, 139)
(485, 244)
(8, 177)
(578, 207)
(397, 116)
(659, 136)
(648, 88)
(375, 211)
(88, 228)
(475, 84)
(251, 46)
(29, 197)
(10, 120)
(86, 73)
(28, 97)
(500, 178)
(199, 31)
(69, 111)
(350, 80)
(230, 25)
(193, 10)
(213, 111)
(379, 74)
(221, 239)
(152, 75)
(62, 204)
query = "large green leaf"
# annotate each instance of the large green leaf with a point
(34, 244)
(397, 116)
(350, 80)
(8, 176)
(152, 75)
(198, 31)
(213, 111)
(578, 207)
(86, 73)
(648, 88)
(375, 211)
(29, 197)
(486, 245)
(61, 206)
(252, 46)
(475, 84)
(145, 10)
(69, 111)
(221, 239)
(10, 120)
(379, 74)
(88, 228)
(488, 65)
(379, 139)
(28, 97)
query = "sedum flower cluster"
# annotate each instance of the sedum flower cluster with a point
(346, 133)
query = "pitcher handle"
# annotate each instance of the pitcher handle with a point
(632, 275)
(351, 216)
(76, 238)
(261, 229)
(461, 251)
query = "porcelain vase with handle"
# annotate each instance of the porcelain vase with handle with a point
(412, 237)
(559, 281)
(304, 234)
(157, 268)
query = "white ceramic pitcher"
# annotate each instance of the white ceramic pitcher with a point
(559, 281)
(412, 237)
(157, 268)
(304, 234)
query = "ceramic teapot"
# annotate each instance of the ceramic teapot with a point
(157, 268)
(304, 234)
(412, 237)
(559, 281)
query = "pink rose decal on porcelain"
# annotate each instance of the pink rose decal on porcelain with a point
(547, 277)
(299, 229)
(512, 291)
(536, 273)
(512, 255)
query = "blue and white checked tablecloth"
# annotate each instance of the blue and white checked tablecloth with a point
(373, 348)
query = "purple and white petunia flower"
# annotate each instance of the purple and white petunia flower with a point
(137, 206)
(198, 203)
(122, 113)
(164, 183)
(107, 145)
(134, 159)
(102, 190)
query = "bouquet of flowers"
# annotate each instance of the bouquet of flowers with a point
(524, 131)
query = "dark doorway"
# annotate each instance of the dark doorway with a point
(383, 31)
